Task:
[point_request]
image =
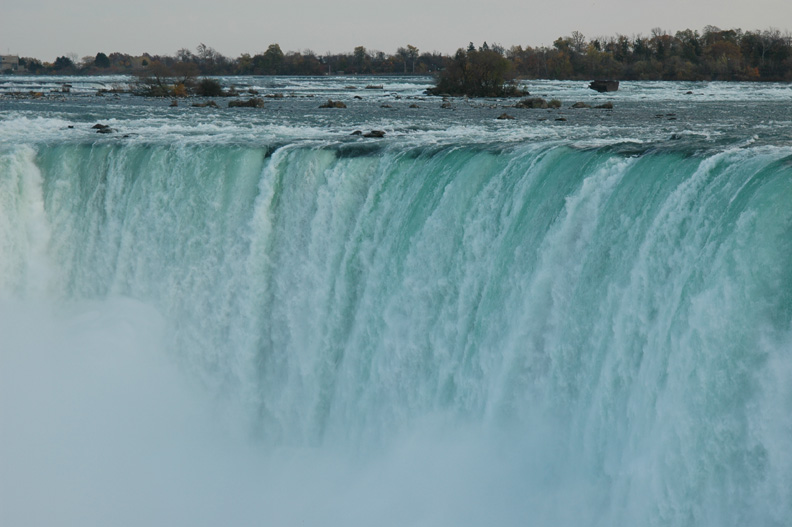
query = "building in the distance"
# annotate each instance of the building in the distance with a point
(9, 63)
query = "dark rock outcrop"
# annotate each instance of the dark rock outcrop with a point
(253, 102)
(102, 128)
(375, 133)
(532, 103)
(605, 106)
(580, 105)
(333, 104)
(604, 86)
(207, 104)
(504, 116)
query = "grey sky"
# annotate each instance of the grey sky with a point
(46, 29)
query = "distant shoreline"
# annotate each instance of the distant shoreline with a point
(689, 55)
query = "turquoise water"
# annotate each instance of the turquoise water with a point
(252, 317)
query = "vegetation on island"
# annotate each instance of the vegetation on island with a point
(489, 70)
(479, 72)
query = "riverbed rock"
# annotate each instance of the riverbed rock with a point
(505, 116)
(333, 104)
(532, 103)
(604, 85)
(207, 104)
(375, 133)
(580, 105)
(102, 128)
(253, 102)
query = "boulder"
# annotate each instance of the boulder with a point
(604, 86)
(580, 105)
(605, 106)
(504, 116)
(356, 132)
(532, 103)
(253, 102)
(414, 106)
(333, 104)
(375, 133)
(207, 104)
(102, 128)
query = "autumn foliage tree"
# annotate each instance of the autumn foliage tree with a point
(713, 54)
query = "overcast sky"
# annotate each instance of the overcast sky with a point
(46, 29)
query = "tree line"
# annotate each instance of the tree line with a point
(713, 54)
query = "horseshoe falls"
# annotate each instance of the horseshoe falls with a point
(251, 317)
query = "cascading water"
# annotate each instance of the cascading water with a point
(437, 335)
(236, 316)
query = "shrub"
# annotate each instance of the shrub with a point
(179, 90)
(209, 88)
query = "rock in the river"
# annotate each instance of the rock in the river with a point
(253, 102)
(532, 103)
(604, 86)
(333, 104)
